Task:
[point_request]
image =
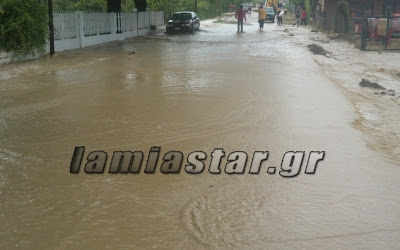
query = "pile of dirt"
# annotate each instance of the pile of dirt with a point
(372, 85)
(316, 49)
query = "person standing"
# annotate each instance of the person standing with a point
(303, 17)
(280, 17)
(261, 16)
(240, 15)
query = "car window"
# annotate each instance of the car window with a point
(269, 10)
(181, 17)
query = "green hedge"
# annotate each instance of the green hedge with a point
(23, 26)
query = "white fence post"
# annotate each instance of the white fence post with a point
(77, 26)
(81, 29)
(114, 28)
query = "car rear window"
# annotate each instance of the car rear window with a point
(269, 10)
(182, 17)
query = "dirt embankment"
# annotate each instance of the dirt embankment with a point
(360, 74)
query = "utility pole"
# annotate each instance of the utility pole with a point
(195, 6)
(51, 26)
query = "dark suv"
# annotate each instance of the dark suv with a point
(183, 22)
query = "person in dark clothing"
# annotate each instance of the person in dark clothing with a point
(297, 14)
(240, 15)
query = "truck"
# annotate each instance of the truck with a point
(272, 3)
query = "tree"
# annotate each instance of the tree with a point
(141, 5)
(113, 5)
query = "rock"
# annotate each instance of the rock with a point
(383, 93)
(316, 49)
(372, 85)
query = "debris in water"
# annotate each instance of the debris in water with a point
(369, 84)
(211, 186)
(313, 30)
(132, 52)
(383, 93)
(316, 49)
(291, 34)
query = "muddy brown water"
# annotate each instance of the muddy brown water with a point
(214, 89)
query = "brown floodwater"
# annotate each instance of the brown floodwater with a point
(214, 89)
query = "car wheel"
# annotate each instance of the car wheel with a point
(192, 29)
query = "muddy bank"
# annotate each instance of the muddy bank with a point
(359, 74)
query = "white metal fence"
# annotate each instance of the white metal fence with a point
(79, 29)
(66, 25)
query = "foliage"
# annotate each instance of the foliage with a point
(343, 11)
(205, 8)
(127, 6)
(141, 5)
(23, 26)
(82, 5)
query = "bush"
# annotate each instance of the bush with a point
(23, 26)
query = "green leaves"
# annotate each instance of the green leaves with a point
(83, 5)
(205, 8)
(23, 26)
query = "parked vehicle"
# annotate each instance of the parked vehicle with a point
(184, 21)
(270, 14)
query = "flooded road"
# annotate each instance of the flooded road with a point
(214, 89)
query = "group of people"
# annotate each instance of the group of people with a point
(240, 15)
(301, 16)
